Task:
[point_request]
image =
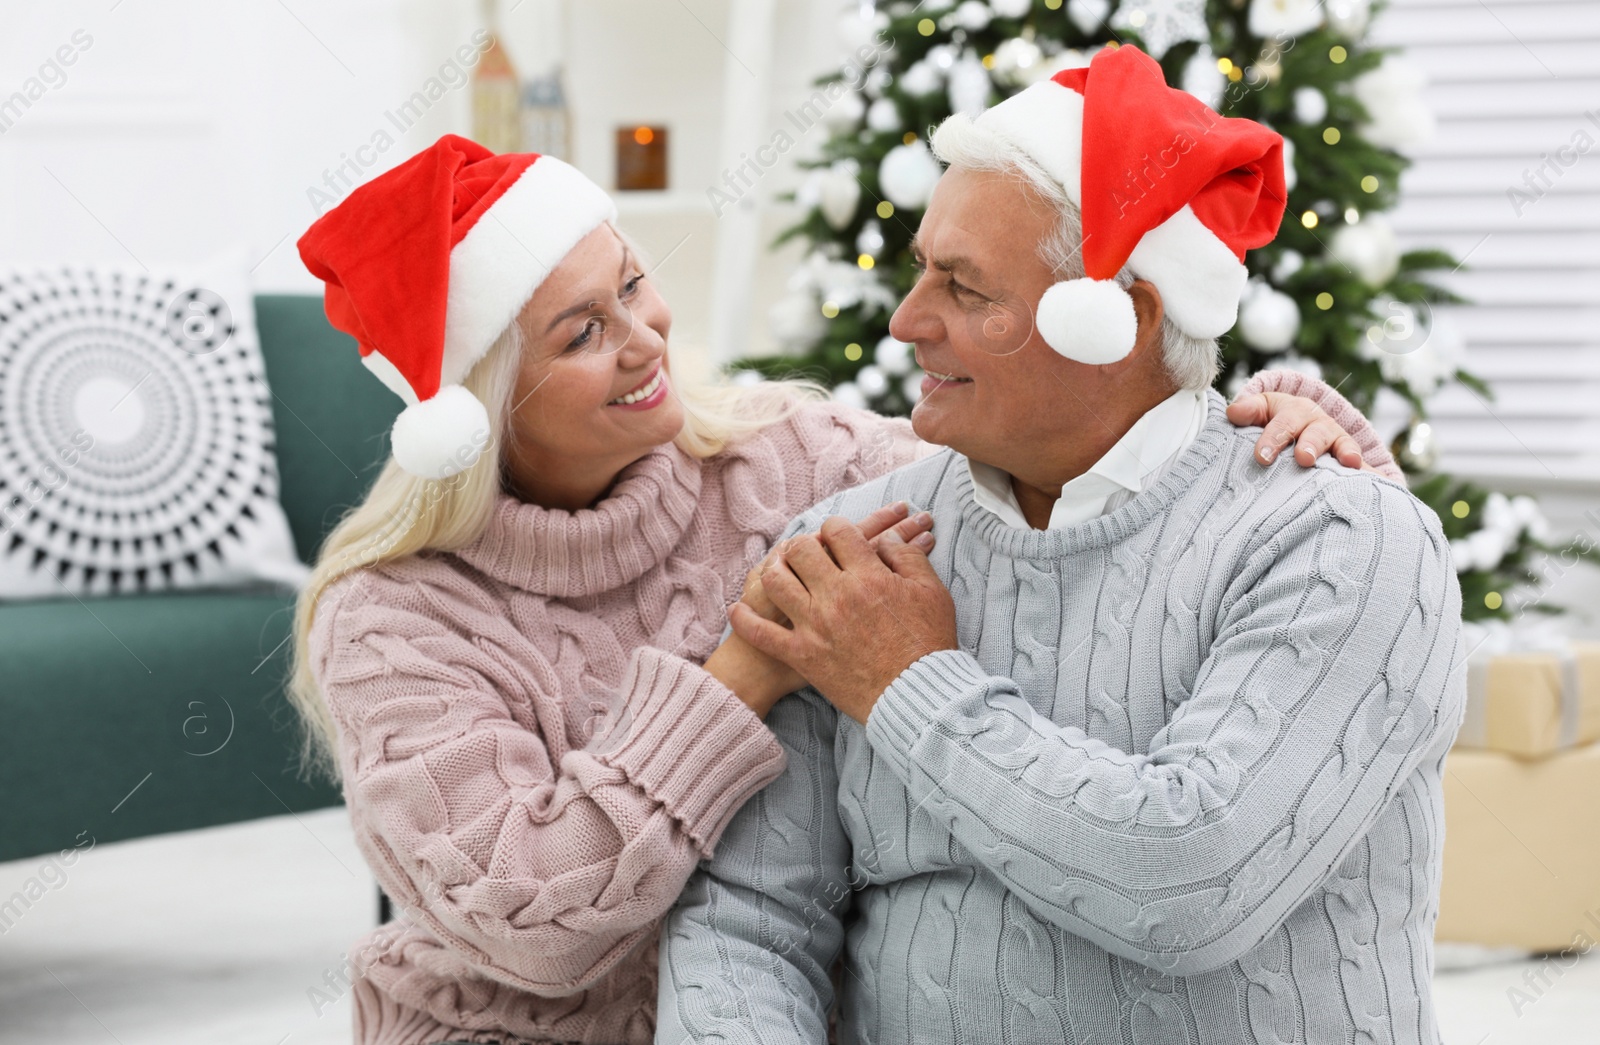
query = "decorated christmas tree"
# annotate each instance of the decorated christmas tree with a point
(1333, 295)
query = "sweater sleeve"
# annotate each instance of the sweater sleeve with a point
(543, 864)
(1331, 678)
(1343, 412)
(747, 952)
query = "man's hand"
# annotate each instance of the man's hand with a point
(761, 681)
(1295, 419)
(860, 616)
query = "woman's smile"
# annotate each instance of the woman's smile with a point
(648, 395)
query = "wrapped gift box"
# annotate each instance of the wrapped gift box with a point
(1521, 849)
(1532, 703)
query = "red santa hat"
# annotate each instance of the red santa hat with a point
(428, 263)
(1165, 186)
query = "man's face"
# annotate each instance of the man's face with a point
(970, 316)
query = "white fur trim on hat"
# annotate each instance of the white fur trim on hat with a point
(1046, 123)
(390, 375)
(1089, 320)
(514, 245)
(438, 437)
(1199, 278)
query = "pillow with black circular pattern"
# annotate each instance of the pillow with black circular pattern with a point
(136, 436)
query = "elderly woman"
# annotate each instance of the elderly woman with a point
(511, 652)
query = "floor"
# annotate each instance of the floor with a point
(230, 934)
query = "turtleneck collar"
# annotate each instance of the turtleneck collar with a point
(554, 552)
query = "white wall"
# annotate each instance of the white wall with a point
(187, 126)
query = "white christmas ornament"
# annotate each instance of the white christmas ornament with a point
(876, 81)
(860, 28)
(1011, 8)
(844, 283)
(1088, 320)
(1067, 59)
(872, 381)
(921, 78)
(1269, 319)
(1434, 359)
(1289, 262)
(1299, 364)
(1498, 516)
(1530, 518)
(908, 174)
(840, 193)
(849, 395)
(893, 356)
(845, 113)
(1310, 105)
(796, 321)
(1281, 18)
(1349, 18)
(972, 15)
(1015, 60)
(870, 240)
(1162, 23)
(1368, 248)
(1291, 177)
(969, 86)
(746, 378)
(883, 116)
(1392, 96)
(1088, 15)
(1203, 79)
(1486, 548)
(1397, 330)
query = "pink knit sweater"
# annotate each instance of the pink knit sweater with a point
(533, 760)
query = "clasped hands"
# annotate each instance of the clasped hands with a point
(845, 609)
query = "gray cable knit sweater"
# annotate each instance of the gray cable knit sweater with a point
(1181, 783)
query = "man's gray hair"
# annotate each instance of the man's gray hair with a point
(961, 142)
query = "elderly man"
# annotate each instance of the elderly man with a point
(1148, 749)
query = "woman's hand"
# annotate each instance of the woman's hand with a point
(760, 680)
(1294, 419)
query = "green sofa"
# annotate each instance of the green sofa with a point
(142, 714)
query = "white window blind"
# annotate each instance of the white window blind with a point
(1511, 82)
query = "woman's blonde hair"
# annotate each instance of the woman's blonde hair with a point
(403, 515)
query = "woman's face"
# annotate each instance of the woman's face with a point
(594, 332)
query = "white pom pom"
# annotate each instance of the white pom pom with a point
(438, 437)
(1089, 320)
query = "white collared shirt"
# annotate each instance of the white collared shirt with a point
(1136, 461)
